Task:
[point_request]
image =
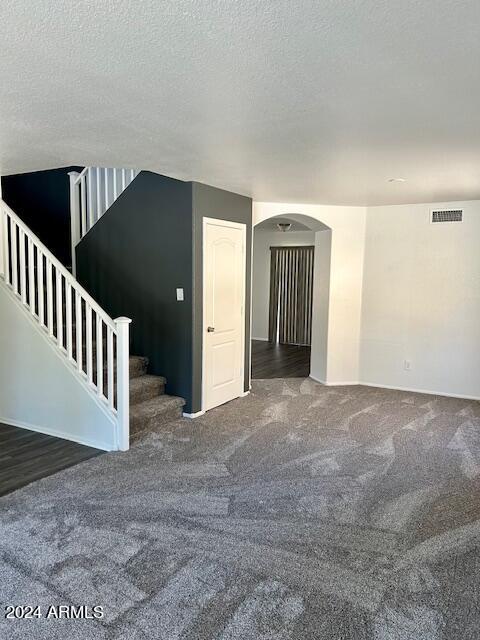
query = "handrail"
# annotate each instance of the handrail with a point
(95, 345)
(80, 175)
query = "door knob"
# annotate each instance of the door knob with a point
(210, 329)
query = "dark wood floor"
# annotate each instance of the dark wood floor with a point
(26, 456)
(279, 360)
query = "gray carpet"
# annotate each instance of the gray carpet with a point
(298, 512)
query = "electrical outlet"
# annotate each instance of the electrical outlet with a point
(180, 297)
(407, 365)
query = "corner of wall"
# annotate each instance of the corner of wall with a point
(360, 334)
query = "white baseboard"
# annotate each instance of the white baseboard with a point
(335, 384)
(426, 391)
(394, 388)
(55, 433)
(201, 413)
(261, 339)
(194, 415)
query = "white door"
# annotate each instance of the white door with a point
(223, 311)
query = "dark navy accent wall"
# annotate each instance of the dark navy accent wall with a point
(148, 244)
(42, 200)
(132, 261)
(210, 202)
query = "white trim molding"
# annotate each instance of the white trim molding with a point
(194, 415)
(341, 383)
(243, 228)
(57, 433)
(393, 388)
(428, 392)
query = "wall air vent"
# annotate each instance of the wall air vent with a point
(446, 215)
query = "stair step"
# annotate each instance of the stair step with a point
(155, 412)
(146, 387)
(137, 366)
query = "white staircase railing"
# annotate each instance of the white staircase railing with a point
(92, 192)
(93, 344)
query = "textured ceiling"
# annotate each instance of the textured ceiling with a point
(306, 101)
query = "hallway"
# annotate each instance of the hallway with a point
(279, 360)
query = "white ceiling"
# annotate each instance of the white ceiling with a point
(308, 101)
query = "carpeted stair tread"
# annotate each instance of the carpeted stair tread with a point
(155, 412)
(137, 366)
(146, 387)
(156, 406)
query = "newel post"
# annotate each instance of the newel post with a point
(123, 382)
(74, 216)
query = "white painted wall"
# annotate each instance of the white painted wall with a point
(38, 390)
(263, 239)
(321, 297)
(347, 226)
(400, 289)
(421, 300)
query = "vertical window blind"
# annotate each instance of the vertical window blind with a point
(291, 295)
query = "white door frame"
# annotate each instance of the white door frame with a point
(242, 227)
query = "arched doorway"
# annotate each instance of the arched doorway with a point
(290, 289)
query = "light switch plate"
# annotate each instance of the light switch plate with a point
(180, 295)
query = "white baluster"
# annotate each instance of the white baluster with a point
(13, 239)
(6, 253)
(49, 299)
(31, 277)
(99, 195)
(59, 307)
(106, 173)
(23, 279)
(123, 381)
(88, 340)
(124, 179)
(99, 356)
(78, 329)
(115, 192)
(110, 367)
(68, 319)
(40, 292)
(87, 220)
(90, 194)
(74, 216)
(83, 210)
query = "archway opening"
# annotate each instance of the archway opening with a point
(290, 297)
